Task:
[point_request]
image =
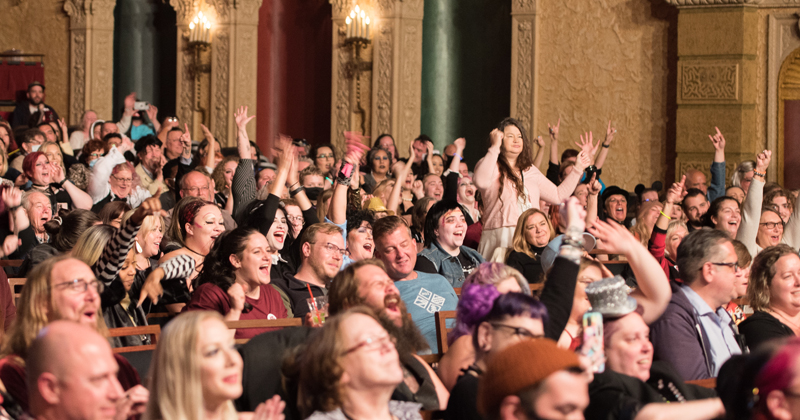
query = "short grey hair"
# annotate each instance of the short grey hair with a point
(697, 248)
(741, 169)
(26, 198)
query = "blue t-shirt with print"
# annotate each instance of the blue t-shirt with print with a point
(424, 296)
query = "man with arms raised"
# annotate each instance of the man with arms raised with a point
(424, 294)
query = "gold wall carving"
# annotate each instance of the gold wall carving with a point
(709, 81)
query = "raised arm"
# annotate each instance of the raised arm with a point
(591, 201)
(210, 152)
(717, 187)
(243, 186)
(337, 212)
(64, 145)
(80, 199)
(674, 195)
(601, 158)
(98, 183)
(487, 175)
(394, 197)
(751, 208)
(124, 123)
(554, 141)
(555, 194)
(654, 291)
(537, 161)
(152, 114)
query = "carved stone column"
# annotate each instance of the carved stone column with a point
(91, 57)
(523, 62)
(717, 81)
(234, 65)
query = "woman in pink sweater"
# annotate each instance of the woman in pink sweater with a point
(510, 184)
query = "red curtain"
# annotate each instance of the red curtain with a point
(14, 79)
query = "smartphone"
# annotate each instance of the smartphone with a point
(592, 346)
(140, 106)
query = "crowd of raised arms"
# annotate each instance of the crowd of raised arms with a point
(151, 275)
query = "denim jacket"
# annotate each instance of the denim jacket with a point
(448, 265)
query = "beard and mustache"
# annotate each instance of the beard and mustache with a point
(409, 339)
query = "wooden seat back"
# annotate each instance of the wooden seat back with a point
(154, 331)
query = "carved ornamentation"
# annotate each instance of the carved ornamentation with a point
(524, 80)
(703, 81)
(386, 7)
(411, 80)
(221, 72)
(342, 97)
(75, 10)
(184, 105)
(340, 7)
(680, 3)
(523, 6)
(78, 78)
(383, 72)
(184, 9)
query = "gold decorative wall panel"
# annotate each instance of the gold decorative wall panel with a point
(708, 81)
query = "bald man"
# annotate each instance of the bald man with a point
(72, 375)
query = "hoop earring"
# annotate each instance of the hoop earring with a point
(138, 247)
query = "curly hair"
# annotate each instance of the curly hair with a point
(761, 274)
(778, 192)
(219, 172)
(89, 147)
(217, 267)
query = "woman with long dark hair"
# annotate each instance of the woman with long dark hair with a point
(510, 184)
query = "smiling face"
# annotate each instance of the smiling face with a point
(324, 262)
(205, 229)
(121, 182)
(40, 211)
(466, 190)
(368, 367)
(252, 267)
(495, 338)
(433, 186)
(770, 230)
(696, 206)
(380, 162)
(5, 137)
(784, 289)
(629, 350)
(617, 207)
(266, 176)
(537, 232)
(512, 141)
(220, 364)
(782, 206)
(419, 150)
(674, 240)
(82, 307)
(41, 171)
(360, 244)
(276, 236)
(451, 230)
(735, 192)
(151, 240)
(294, 216)
(49, 134)
(438, 165)
(324, 159)
(728, 218)
(379, 292)
(580, 301)
(398, 251)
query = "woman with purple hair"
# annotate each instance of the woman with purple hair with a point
(498, 320)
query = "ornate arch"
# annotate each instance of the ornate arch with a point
(788, 90)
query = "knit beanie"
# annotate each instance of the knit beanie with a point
(518, 367)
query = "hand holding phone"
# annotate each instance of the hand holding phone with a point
(592, 346)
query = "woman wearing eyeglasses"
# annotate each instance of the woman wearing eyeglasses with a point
(324, 158)
(773, 294)
(498, 321)
(44, 175)
(114, 179)
(349, 370)
(379, 163)
(235, 281)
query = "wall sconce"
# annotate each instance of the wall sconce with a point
(357, 37)
(200, 30)
(199, 42)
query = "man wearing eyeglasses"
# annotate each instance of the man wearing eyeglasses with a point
(322, 252)
(695, 334)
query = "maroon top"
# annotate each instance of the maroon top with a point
(14, 377)
(269, 305)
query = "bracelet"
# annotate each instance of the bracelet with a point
(664, 214)
(293, 193)
(460, 158)
(290, 186)
(606, 146)
(756, 173)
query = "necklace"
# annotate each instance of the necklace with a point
(190, 249)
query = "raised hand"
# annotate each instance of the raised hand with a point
(583, 161)
(497, 138)
(10, 244)
(675, 193)
(236, 296)
(150, 206)
(241, 118)
(63, 126)
(461, 144)
(126, 145)
(594, 185)
(152, 113)
(152, 287)
(411, 154)
(57, 172)
(186, 137)
(12, 197)
(130, 100)
(718, 140)
(355, 149)
(573, 213)
(554, 129)
(762, 161)
(271, 409)
(540, 141)
(417, 188)
(207, 134)
(616, 239)
(610, 132)
(586, 144)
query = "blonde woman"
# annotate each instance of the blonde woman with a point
(197, 373)
(223, 180)
(534, 231)
(646, 219)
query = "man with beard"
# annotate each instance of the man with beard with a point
(695, 205)
(366, 283)
(34, 103)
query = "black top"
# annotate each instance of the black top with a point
(529, 267)
(297, 291)
(463, 399)
(426, 266)
(615, 396)
(761, 327)
(557, 296)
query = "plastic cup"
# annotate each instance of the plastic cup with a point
(318, 306)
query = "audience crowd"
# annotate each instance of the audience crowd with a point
(152, 275)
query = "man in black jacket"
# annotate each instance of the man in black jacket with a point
(34, 104)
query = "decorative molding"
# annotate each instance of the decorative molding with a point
(524, 74)
(341, 7)
(709, 81)
(220, 73)
(523, 7)
(77, 77)
(684, 3)
(382, 72)
(782, 39)
(184, 10)
(411, 81)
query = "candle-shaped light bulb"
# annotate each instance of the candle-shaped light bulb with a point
(200, 14)
(352, 14)
(357, 8)
(367, 21)
(347, 21)
(196, 20)
(191, 25)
